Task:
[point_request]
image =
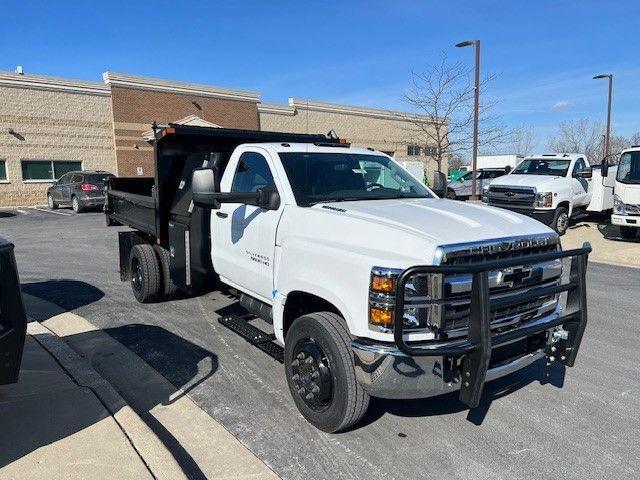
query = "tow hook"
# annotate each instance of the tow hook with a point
(559, 334)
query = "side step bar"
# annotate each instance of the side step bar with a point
(259, 338)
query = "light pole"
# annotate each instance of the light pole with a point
(474, 161)
(607, 135)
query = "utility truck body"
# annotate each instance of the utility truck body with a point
(372, 284)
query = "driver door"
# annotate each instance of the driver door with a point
(244, 236)
(580, 186)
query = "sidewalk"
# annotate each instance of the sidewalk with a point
(88, 407)
(53, 428)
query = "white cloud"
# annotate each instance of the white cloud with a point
(561, 105)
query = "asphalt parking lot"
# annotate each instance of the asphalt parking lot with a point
(537, 423)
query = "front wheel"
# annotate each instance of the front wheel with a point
(451, 194)
(560, 220)
(320, 372)
(628, 233)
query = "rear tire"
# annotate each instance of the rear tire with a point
(168, 289)
(51, 202)
(628, 233)
(320, 372)
(145, 273)
(560, 221)
(76, 205)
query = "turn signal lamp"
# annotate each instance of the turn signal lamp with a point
(379, 316)
(382, 284)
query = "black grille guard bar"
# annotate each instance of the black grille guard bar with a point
(476, 348)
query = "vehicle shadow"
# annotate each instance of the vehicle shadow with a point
(50, 413)
(449, 403)
(67, 294)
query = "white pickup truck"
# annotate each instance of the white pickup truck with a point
(550, 188)
(372, 285)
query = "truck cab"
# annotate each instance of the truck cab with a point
(550, 188)
(371, 284)
(626, 208)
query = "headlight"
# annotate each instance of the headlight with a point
(419, 290)
(544, 199)
(618, 206)
(485, 194)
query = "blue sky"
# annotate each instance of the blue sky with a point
(544, 52)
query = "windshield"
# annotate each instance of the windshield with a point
(469, 175)
(629, 168)
(542, 166)
(335, 177)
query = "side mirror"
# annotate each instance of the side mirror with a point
(439, 184)
(203, 188)
(604, 169)
(585, 173)
(507, 170)
(269, 199)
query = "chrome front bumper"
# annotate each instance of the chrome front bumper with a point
(386, 372)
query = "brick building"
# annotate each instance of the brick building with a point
(49, 126)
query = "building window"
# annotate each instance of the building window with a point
(431, 151)
(3, 171)
(413, 150)
(47, 170)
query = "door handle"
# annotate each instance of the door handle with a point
(222, 214)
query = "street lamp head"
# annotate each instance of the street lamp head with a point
(602, 75)
(466, 43)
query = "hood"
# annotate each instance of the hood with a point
(439, 221)
(539, 182)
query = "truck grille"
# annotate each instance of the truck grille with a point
(511, 196)
(502, 284)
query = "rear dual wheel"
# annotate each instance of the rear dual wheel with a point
(150, 274)
(320, 372)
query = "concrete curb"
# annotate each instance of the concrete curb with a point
(174, 437)
(152, 452)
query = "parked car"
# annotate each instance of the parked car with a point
(460, 189)
(373, 285)
(80, 190)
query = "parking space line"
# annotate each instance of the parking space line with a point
(52, 211)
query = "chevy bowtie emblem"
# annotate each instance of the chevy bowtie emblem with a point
(510, 277)
(509, 194)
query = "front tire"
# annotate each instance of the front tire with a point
(628, 233)
(145, 273)
(321, 374)
(76, 205)
(560, 221)
(451, 194)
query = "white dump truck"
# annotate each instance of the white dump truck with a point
(370, 284)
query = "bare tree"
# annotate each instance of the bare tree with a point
(443, 95)
(522, 140)
(635, 139)
(582, 136)
(456, 161)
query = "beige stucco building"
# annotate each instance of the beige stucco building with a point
(49, 126)
(394, 133)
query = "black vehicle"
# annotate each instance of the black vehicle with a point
(80, 190)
